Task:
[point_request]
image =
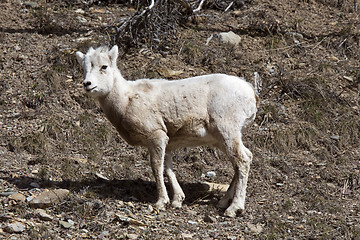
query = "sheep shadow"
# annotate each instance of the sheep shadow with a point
(135, 190)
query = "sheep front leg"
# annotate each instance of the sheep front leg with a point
(157, 148)
(179, 195)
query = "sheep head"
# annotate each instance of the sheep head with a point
(99, 67)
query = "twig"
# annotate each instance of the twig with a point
(294, 45)
(182, 45)
(355, 6)
(209, 39)
(342, 43)
(199, 7)
(345, 187)
(319, 43)
(228, 7)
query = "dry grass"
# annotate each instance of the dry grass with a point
(305, 141)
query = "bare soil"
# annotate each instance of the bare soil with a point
(304, 182)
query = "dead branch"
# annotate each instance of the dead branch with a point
(156, 21)
(153, 25)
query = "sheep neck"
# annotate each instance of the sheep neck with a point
(114, 103)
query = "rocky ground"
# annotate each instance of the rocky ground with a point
(66, 174)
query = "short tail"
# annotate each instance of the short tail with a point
(257, 87)
(257, 83)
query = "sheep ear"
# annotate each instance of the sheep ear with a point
(113, 54)
(91, 50)
(80, 57)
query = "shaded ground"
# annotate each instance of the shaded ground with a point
(304, 181)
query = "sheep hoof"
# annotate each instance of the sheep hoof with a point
(230, 213)
(161, 203)
(176, 204)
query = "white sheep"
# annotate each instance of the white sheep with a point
(166, 115)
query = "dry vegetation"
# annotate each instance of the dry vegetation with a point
(305, 179)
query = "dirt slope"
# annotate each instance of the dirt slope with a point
(304, 182)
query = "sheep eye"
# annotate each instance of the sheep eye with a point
(104, 67)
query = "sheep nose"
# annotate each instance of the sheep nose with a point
(86, 84)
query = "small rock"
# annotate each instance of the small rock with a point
(230, 37)
(105, 233)
(231, 238)
(210, 174)
(335, 137)
(300, 226)
(350, 79)
(71, 222)
(168, 73)
(17, 197)
(192, 222)
(14, 227)
(83, 39)
(29, 198)
(34, 185)
(97, 10)
(65, 224)
(102, 177)
(31, 4)
(255, 228)
(187, 236)
(238, 13)
(132, 236)
(150, 209)
(48, 198)
(22, 57)
(81, 19)
(331, 185)
(80, 11)
(334, 59)
(43, 215)
(129, 220)
(209, 219)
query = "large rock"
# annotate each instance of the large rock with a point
(48, 198)
(15, 227)
(17, 197)
(230, 37)
(43, 215)
(214, 187)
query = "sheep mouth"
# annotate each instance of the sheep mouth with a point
(90, 89)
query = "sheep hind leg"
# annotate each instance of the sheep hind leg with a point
(225, 200)
(157, 146)
(241, 158)
(179, 195)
